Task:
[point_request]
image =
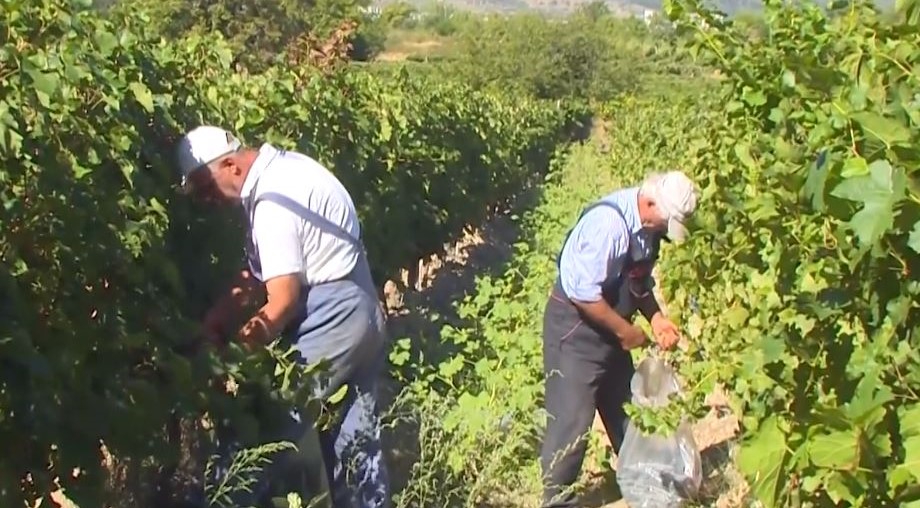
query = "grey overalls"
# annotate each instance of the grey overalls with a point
(343, 322)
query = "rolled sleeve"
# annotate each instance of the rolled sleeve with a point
(593, 254)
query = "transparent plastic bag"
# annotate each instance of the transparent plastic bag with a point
(657, 471)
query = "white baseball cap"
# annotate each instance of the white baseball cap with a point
(203, 145)
(676, 195)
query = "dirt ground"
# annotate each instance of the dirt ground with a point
(402, 50)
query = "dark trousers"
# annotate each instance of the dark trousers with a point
(585, 371)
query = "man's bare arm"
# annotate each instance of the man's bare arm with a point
(602, 315)
(281, 307)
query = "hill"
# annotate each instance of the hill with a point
(618, 7)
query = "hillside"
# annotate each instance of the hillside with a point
(617, 7)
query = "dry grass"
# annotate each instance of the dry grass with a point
(401, 45)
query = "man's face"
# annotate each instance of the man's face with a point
(215, 183)
(652, 216)
(655, 222)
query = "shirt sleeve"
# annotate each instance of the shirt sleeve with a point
(278, 233)
(594, 253)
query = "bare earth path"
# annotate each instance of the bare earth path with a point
(421, 302)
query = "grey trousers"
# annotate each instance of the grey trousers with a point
(341, 322)
(585, 370)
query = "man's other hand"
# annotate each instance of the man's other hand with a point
(213, 327)
(666, 332)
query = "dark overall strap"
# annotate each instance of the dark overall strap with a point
(580, 216)
(310, 215)
(610, 288)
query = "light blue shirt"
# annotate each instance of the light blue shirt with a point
(597, 248)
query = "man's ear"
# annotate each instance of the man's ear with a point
(221, 164)
(236, 168)
(229, 164)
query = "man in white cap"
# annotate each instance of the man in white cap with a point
(604, 277)
(305, 251)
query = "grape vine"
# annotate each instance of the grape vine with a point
(798, 286)
(104, 268)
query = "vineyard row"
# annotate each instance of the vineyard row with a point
(103, 265)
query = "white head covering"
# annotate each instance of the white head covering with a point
(676, 196)
(203, 145)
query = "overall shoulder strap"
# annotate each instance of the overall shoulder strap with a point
(287, 202)
(309, 215)
(580, 216)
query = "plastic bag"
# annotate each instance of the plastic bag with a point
(657, 471)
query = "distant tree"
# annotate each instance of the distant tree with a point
(590, 54)
(531, 53)
(594, 10)
(399, 14)
(444, 19)
(325, 15)
(102, 4)
(370, 39)
(259, 30)
(752, 22)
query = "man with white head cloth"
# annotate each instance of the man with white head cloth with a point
(605, 269)
(306, 254)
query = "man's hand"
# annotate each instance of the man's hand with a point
(283, 293)
(255, 332)
(632, 337)
(666, 332)
(245, 291)
(214, 325)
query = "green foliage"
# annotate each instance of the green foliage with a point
(262, 27)
(257, 31)
(369, 40)
(443, 19)
(475, 397)
(399, 14)
(797, 286)
(241, 473)
(588, 55)
(105, 268)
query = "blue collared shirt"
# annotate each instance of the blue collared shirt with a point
(598, 245)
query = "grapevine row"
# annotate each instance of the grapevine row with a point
(797, 290)
(104, 268)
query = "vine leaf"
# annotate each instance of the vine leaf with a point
(879, 192)
(836, 450)
(913, 241)
(763, 460)
(888, 131)
(909, 419)
(143, 95)
(46, 85)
